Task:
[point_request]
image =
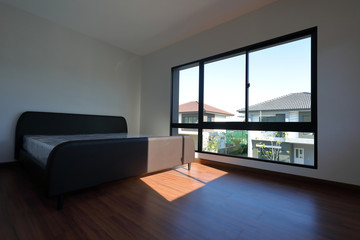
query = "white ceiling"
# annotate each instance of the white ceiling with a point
(139, 26)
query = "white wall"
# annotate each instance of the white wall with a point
(338, 77)
(44, 67)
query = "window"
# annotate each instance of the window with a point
(185, 103)
(273, 118)
(305, 116)
(257, 102)
(189, 118)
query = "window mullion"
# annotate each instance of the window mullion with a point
(201, 104)
(247, 85)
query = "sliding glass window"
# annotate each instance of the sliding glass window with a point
(257, 102)
(224, 89)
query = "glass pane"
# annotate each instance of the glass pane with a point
(290, 147)
(224, 90)
(305, 116)
(266, 145)
(280, 83)
(187, 132)
(229, 142)
(186, 95)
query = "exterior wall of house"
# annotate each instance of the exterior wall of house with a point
(287, 151)
(293, 116)
(255, 116)
(220, 118)
(207, 117)
(308, 153)
(290, 116)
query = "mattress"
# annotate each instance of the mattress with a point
(40, 146)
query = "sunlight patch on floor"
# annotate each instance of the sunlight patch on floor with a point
(178, 182)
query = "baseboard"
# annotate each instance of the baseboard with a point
(282, 175)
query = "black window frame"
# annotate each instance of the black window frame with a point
(258, 126)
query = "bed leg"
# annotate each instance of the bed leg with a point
(60, 202)
(189, 166)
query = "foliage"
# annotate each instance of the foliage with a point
(239, 150)
(213, 143)
(273, 152)
(235, 143)
(236, 137)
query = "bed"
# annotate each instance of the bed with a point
(79, 151)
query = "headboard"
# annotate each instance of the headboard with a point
(48, 123)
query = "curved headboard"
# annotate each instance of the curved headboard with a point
(48, 123)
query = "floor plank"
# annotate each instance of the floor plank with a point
(207, 202)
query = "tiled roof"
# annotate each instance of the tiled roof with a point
(194, 107)
(292, 101)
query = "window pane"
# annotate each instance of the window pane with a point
(186, 95)
(224, 89)
(280, 83)
(187, 132)
(305, 116)
(229, 142)
(289, 147)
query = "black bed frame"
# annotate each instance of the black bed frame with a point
(77, 165)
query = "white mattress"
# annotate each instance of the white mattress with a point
(40, 146)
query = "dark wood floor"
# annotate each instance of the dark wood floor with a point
(208, 202)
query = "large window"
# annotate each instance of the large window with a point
(257, 102)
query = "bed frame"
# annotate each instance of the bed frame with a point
(77, 165)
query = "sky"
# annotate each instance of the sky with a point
(273, 72)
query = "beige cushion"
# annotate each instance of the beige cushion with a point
(168, 152)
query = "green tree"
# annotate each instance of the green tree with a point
(238, 140)
(213, 142)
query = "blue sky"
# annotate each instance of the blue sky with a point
(273, 72)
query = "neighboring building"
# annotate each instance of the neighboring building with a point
(294, 107)
(291, 147)
(188, 113)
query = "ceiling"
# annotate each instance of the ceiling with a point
(139, 26)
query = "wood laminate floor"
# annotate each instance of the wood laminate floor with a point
(207, 202)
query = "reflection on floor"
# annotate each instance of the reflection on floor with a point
(176, 183)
